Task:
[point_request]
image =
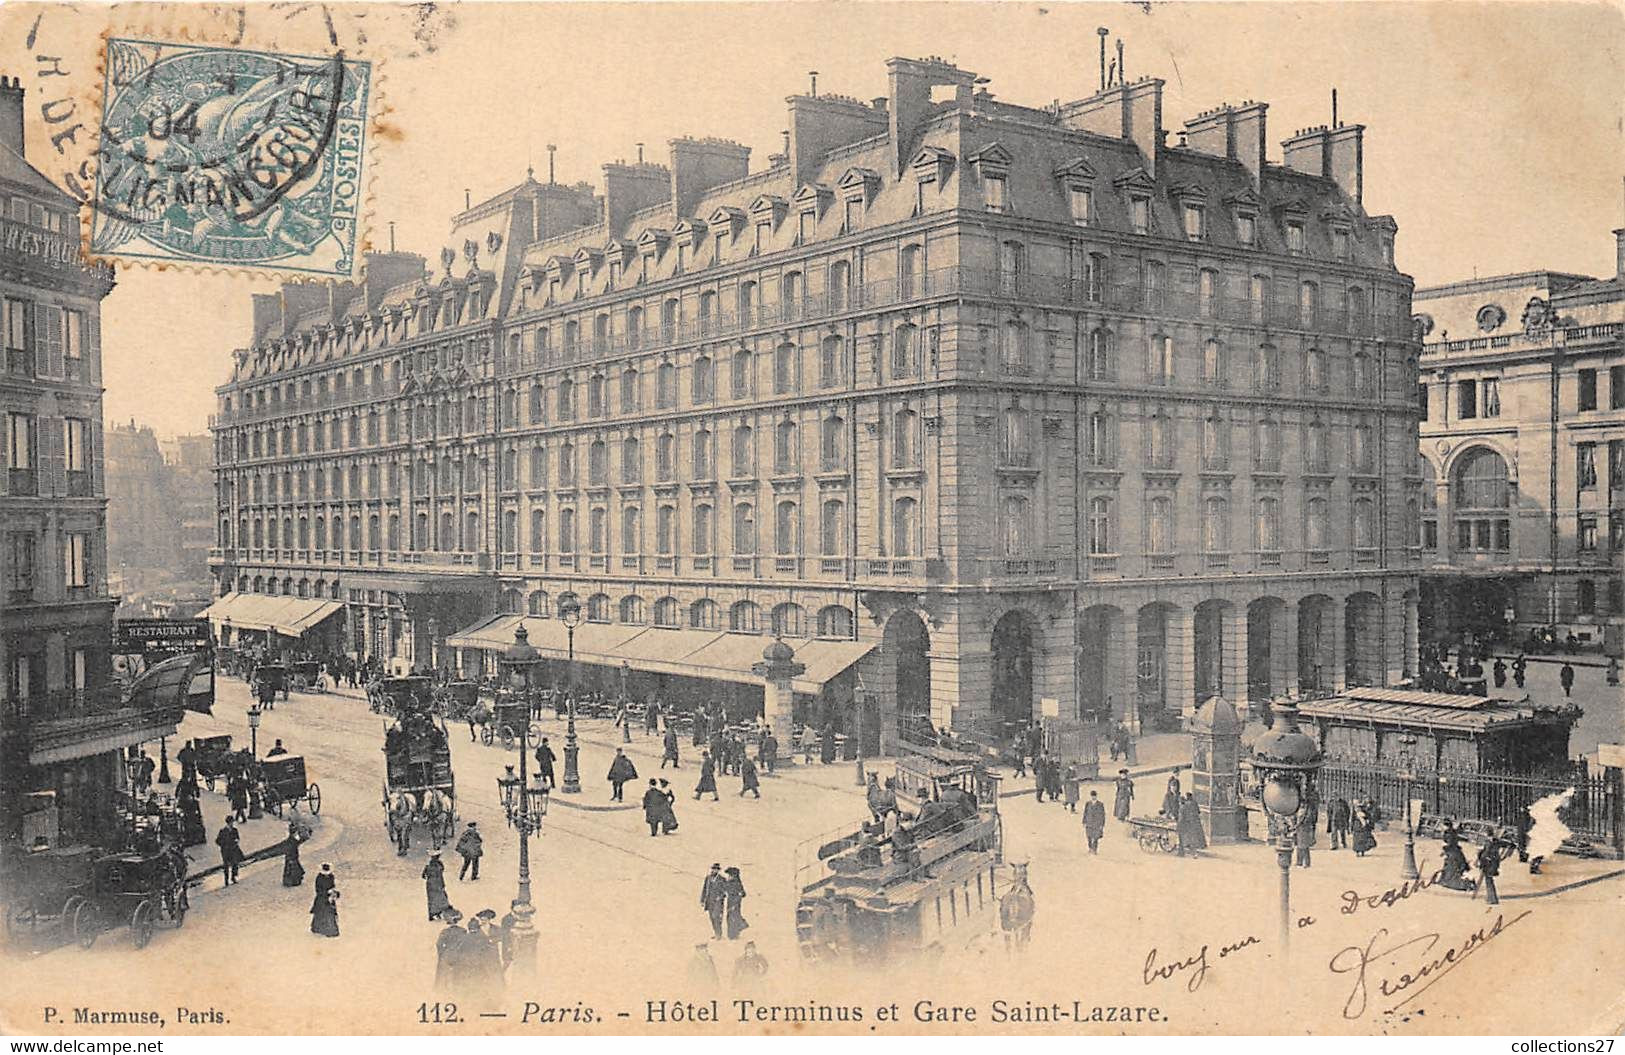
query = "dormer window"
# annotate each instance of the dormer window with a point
(1081, 204)
(1139, 210)
(614, 273)
(1246, 228)
(925, 191)
(1077, 178)
(931, 166)
(553, 289)
(1340, 243)
(682, 257)
(1294, 236)
(581, 282)
(1195, 222)
(646, 264)
(716, 247)
(992, 165)
(764, 235)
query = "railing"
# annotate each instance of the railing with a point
(1567, 335)
(64, 703)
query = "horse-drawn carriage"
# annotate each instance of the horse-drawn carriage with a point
(49, 889)
(282, 782)
(456, 701)
(214, 758)
(270, 681)
(306, 676)
(420, 789)
(510, 720)
(81, 893)
(397, 696)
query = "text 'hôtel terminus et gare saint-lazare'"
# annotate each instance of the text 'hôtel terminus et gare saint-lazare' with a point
(964, 382)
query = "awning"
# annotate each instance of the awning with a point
(690, 653)
(291, 616)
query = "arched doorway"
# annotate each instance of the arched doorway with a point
(1210, 647)
(1103, 687)
(909, 644)
(1266, 648)
(1151, 665)
(1015, 640)
(1362, 639)
(1315, 644)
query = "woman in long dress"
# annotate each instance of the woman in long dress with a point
(733, 890)
(434, 886)
(708, 778)
(324, 914)
(293, 870)
(1455, 862)
(1364, 841)
(1191, 835)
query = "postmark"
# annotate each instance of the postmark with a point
(230, 157)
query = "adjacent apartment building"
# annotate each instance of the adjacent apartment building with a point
(1017, 402)
(1523, 454)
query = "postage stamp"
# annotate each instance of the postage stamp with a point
(230, 157)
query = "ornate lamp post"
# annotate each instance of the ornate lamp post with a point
(1407, 868)
(254, 730)
(525, 807)
(163, 761)
(626, 705)
(1286, 760)
(570, 615)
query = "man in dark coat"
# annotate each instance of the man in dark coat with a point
(826, 747)
(1338, 815)
(187, 757)
(237, 794)
(651, 718)
(1565, 678)
(1123, 802)
(620, 771)
(449, 954)
(471, 847)
(748, 781)
(544, 764)
(1499, 671)
(1094, 820)
(670, 752)
(708, 778)
(434, 886)
(1489, 866)
(1191, 836)
(714, 898)
(769, 753)
(231, 850)
(654, 808)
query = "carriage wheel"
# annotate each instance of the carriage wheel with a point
(507, 738)
(487, 734)
(142, 922)
(1165, 843)
(313, 797)
(87, 923)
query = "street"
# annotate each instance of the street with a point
(618, 912)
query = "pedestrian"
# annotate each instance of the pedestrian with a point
(231, 850)
(1565, 677)
(448, 952)
(471, 846)
(1612, 676)
(708, 777)
(669, 754)
(876, 797)
(237, 794)
(748, 780)
(651, 718)
(1170, 798)
(702, 970)
(809, 743)
(1520, 667)
(1123, 800)
(826, 746)
(1094, 820)
(293, 870)
(1055, 780)
(1070, 787)
(654, 805)
(1040, 773)
(621, 770)
(324, 907)
(734, 889)
(187, 757)
(668, 818)
(1489, 866)
(505, 933)
(1453, 874)
(434, 886)
(751, 968)
(1191, 836)
(1303, 835)
(769, 752)
(193, 831)
(714, 898)
(1337, 822)
(1499, 671)
(276, 749)
(482, 962)
(544, 764)
(1362, 822)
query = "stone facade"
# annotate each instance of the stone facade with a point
(1523, 453)
(1038, 407)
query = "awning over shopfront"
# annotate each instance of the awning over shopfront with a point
(659, 650)
(291, 616)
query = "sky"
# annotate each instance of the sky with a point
(1494, 131)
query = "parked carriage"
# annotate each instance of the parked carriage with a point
(49, 891)
(509, 721)
(457, 700)
(282, 782)
(143, 890)
(270, 681)
(307, 676)
(214, 758)
(396, 696)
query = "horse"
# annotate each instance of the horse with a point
(436, 813)
(400, 813)
(1016, 912)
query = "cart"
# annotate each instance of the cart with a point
(420, 789)
(396, 696)
(455, 701)
(143, 890)
(282, 781)
(214, 758)
(270, 681)
(49, 889)
(510, 721)
(1155, 834)
(307, 676)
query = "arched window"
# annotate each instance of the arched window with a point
(743, 451)
(666, 610)
(597, 530)
(835, 621)
(789, 620)
(1482, 497)
(702, 615)
(598, 608)
(786, 447)
(1365, 445)
(1365, 523)
(831, 362)
(704, 382)
(1159, 367)
(471, 532)
(665, 529)
(740, 371)
(355, 532)
(666, 385)
(832, 528)
(1363, 378)
(904, 351)
(784, 368)
(445, 540)
(632, 609)
(1314, 370)
(567, 530)
(631, 461)
(1016, 527)
(744, 529)
(749, 303)
(905, 525)
(634, 327)
(1101, 534)
(1215, 440)
(1308, 306)
(1316, 456)
(1267, 445)
(567, 464)
(595, 396)
(745, 618)
(832, 443)
(1159, 449)
(1159, 525)
(538, 531)
(1215, 524)
(420, 533)
(538, 466)
(629, 390)
(786, 529)
(598, 463)
(1156, 289)
(665, 456)
(631, 536)
(1268, 376)
(1100, 438)
(702, 454)
(704, 529)
(1317, 524)
(536, 604)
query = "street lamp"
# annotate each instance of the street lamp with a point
(524, 808)
(1286, 760)
(1407, 868)
(163, 761)
(570, 615)
(626, 705)
(254, 730)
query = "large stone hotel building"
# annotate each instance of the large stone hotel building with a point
(973, 403)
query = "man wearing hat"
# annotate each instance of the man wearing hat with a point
(1124, 799)
(1094, 820)
(702, 970)
(714, 899)
(231, 850)
(471, 846)
(448, 950)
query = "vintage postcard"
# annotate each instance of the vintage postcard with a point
(838, 519)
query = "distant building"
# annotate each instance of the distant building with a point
(142, 543)
(973, 403)
(62, 723)
(1522, 396)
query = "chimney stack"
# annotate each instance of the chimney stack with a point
(1619, 254)
(11, 114)
(911, 82)
(1337, 154)
(1127, 111)
(1235, 132)
(697, 165)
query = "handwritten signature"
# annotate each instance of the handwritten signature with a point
(1360, 961)
(1197, 964)
(1353, 900)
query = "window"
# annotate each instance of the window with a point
(1101, 439)
(832, 443)
(18, 325)
(665, 529)
(703, 380)
(807, 224)
(1316, 456)
(1013, 348)
(1213, 363)
(1258, 299)
(741, 374)
(1588, 390)
(1012, 268)
(629, 390)
(1014, 446)
(1422, 400)
(1362, 376)
(830, 361)
(1365, 523)
(20, 565)
(784, 368)
(1340, 243)
(665, 450)
(1317, 525)
(1246, 229)
(1208, 293)
(853, 216)
(910, 276)
(1616, 387)
(1294, 236)
(1215, 441)
(904, 356)
(1102, 359)
(702, 450)
(905, 526)
(1466, 399)
(1016, 528)
(1269, 524)
(21, 457)
(840, 285)
(1155, 289)
(1365, 446)
(1081, 202)
(566, 399)
(567, 464)
(832, 527)
(666, 386)
(905, 447)
(1140, 214)
(1586, 533)
(993, 191)
(1616, 464)
(743, 451)
(1159, 525)
(1585, 594)
(596, 406)
(1159, 440)
(75, 560)
(1267, 445)
(73, 344)
(1215, 524)
(666, 611)
(1195, 223)
(1094, 278)
(785, 529)
(1585, 466)
(1482, 496)
(598, 463)
(1160, 360)
(567, 530)
(597, 530)
(786, 447)
(1308, 305)
(744, 529)
(1100, 526)
(538, 530)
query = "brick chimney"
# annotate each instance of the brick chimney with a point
(1127, 111)
(1337, 154)
(1235, 132)
(697, 165)
(819, 124)
(11, 114)
(629, 188)
(910, 106)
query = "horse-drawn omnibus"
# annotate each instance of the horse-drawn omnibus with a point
(420, 789)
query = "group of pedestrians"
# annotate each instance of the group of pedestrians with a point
(472, 956)
(722, 896)
(658, 811)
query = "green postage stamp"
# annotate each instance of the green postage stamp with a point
(233, 158)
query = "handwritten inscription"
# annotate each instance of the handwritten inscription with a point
(1353, 900)
(1367, 962)
(1196, 964)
